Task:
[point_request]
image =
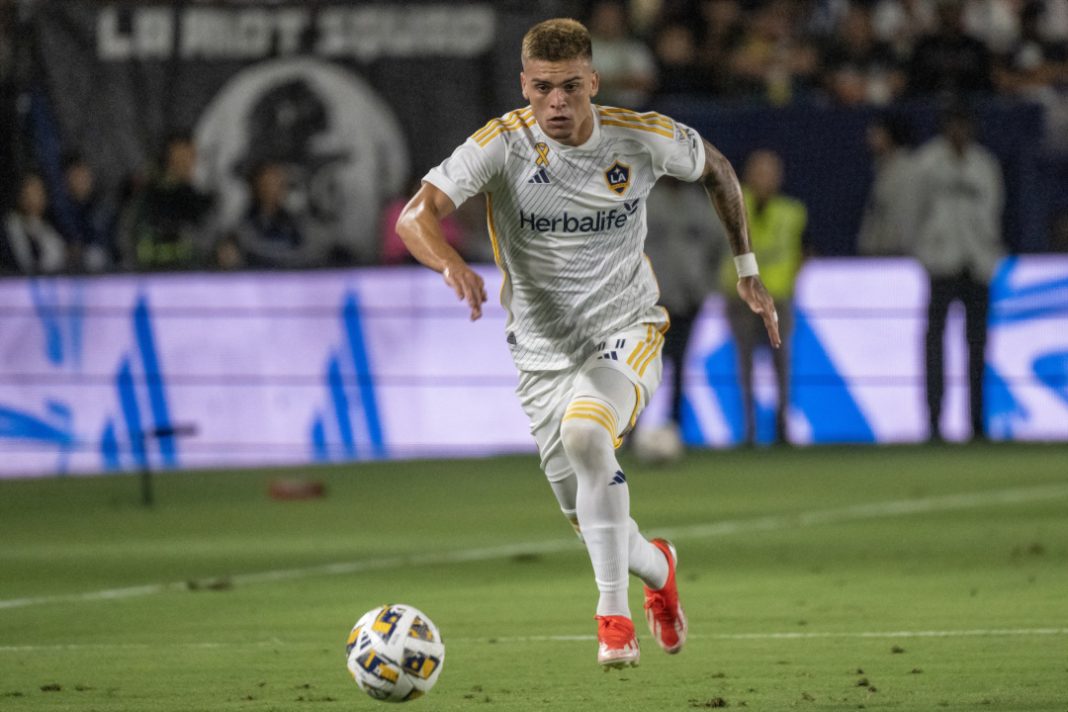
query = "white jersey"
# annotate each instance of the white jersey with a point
(568, 224)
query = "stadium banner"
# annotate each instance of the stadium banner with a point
(126, 372)
(350, 96)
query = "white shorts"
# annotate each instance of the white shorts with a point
(635, 352)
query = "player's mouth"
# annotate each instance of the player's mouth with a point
(558, 121)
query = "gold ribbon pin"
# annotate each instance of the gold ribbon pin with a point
(543, 154)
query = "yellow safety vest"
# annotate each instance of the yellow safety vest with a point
(775, 235)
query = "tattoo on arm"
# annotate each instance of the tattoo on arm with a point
(725, 192)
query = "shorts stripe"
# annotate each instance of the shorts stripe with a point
(637, 408)
(640, 348)
(644, 364)
(646, 350)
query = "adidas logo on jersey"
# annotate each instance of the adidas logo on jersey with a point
(540, 177)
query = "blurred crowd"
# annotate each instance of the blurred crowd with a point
(836, 51)
(829, 52)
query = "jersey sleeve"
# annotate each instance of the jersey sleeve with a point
(468, 170)
(682, 156)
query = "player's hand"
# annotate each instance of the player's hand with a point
(755, 294)
(468, 285)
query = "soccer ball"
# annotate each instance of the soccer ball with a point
(395, 653)
(658, 445)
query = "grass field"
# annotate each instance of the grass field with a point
(814, 579)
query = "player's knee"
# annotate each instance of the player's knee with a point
(586, 442)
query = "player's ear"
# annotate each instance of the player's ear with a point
(523, 85)
(595, 83)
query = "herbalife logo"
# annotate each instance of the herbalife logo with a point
(540, 177)
(567, 223)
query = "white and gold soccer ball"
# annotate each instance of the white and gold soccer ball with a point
(658, 445)
(395, 653)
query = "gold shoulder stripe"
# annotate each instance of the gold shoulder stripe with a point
(489, 124)
(486, 138)
(493, 125)
(522, 113)
(640, 127)
(509, 119)
(650, 117)
(663, 126)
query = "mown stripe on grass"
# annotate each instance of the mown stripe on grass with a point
(840, 515)
(808, 635)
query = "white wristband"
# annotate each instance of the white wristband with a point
(746, 265)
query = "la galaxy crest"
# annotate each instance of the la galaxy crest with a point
(617, 177)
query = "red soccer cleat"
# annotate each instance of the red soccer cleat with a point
(663, 611)
(617, 644)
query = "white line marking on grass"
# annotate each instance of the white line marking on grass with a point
(876, 510)
(60, 647)
(810, 635)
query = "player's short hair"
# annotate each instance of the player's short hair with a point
(557, 40)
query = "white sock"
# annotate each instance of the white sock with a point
(602, 501)
(646, 561)
(608, 553)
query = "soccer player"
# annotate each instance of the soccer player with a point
(565, 183)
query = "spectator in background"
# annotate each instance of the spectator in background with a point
(269, 236)
(888, 225)
(995, 22)
(722, 31)
(950, 61)
(821, 18)
(9, 122)
(958, 241)
(1036, 69)
(626, 66)
(685, 249)
(31, 244)
(677, 67)
(1058, 240)
(858, 68)
(83, 222)
(901, 23)
(1055, 21)
(776, 231)
(771, 61)
(168, 222)
(393, 251)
